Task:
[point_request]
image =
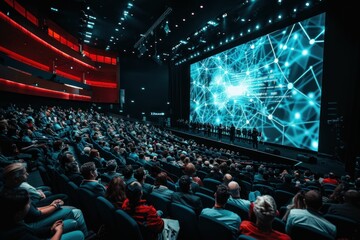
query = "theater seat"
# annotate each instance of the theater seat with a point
(299, 232)
(212, 229)
(188, 221)
(126, 226)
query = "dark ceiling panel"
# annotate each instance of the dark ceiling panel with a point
(120, 24)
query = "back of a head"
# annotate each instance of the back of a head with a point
(353, 197)
(161, 179)
(127, 171)
(87, 168)
(265, 208)
(111, 165)
(222, 195)
(234, 189)
(189, 169)
(184, 183)
(94, 153)
(116, 189)
(313, 199)
(288, 178)
(87, 150)
(227, 178)
(139, 174)
(133, 192)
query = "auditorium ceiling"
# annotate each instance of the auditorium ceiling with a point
(168, 29)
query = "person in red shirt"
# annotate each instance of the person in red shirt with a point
(265, 211)
(331, 179)
(145, 215)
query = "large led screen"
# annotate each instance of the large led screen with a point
(272, 83)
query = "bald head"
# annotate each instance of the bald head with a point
(234, 189)
(227, 178)
(313, 199)
(352, 196)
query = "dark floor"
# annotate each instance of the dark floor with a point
(324, 163)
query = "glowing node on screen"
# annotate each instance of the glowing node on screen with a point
(315, 144)
(305, 52)
(290, 85)
(218, 120)
(312, 41)
(252, 46)
(297, 115)
(276, 60)
(287, 64)
(296, 36)
(270, 117)
(232, 91)
(311, 95)
(247, 122)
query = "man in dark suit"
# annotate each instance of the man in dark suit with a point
(232, 134)
(89, 172)
(185, 195)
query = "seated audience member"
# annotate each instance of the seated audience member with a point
(72, 171)
(220, 213)
(227, 178)
(234, 190)
(265, 212)
(310, 216)
(297, 202)
(89, 172)
(331, 179)
(39, 217)
(350, 208)
(161, 186)
(115, 191)
(140, 176)
(128, 173)
(15, 205)
(185, 196)
(15, 175)
(287, 184)
(110, 172)
(95, 157)
(146, 216)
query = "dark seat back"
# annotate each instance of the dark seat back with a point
(159, 202)
(211, 183)
(207, 201)
(346, 228)
(212, 229)
(243, 213)
(188, 221)
(300, 232)
(127, 226)
(87, 203)
(106, 211)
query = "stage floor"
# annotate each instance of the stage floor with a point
(323, 164)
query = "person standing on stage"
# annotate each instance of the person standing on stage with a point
(254, 136)
(232, 134)
(220, 129)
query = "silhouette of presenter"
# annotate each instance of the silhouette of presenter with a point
(255, 140)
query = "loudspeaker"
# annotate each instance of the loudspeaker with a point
(306, 158)
(272, 151)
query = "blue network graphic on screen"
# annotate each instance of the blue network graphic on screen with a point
(272, 83)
